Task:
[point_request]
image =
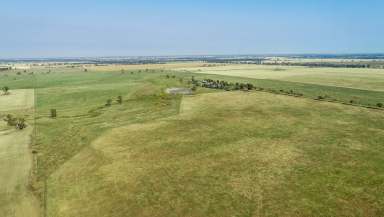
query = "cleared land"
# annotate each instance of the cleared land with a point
(16, 200)
(212, 154)
(230, 154)
(367, 79)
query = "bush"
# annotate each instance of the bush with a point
(320, 97)
(380, 105)
(109, 102)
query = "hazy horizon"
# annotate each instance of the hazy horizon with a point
(46, 29)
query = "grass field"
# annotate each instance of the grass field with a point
(211, 154)
(367, 79)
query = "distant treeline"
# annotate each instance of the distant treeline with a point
(333, 65)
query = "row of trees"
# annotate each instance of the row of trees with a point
(228, 86)
(217, 84)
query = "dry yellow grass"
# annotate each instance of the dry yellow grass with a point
(15, 159)
(19, 99)
(369, 79)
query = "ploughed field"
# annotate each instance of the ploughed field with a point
(214, 153)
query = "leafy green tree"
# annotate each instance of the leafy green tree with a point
(5, 90)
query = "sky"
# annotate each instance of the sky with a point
(92, 28)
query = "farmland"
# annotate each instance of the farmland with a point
(213, 153)
(367, 79)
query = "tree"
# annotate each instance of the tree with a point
(20, 124)
(119, 99)
(109, 102)
(53, 113)
(11, 121)
(6, 90)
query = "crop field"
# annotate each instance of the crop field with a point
(212, 153)
(366, 79)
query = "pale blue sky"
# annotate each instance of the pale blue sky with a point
(51, 28)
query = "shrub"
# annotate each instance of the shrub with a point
(109, 102)
(320, 97)
(380, 105)
(167, 76)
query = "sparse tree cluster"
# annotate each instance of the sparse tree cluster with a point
(18, 123)
(209, 83)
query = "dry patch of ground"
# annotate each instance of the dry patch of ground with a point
(175, 90)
